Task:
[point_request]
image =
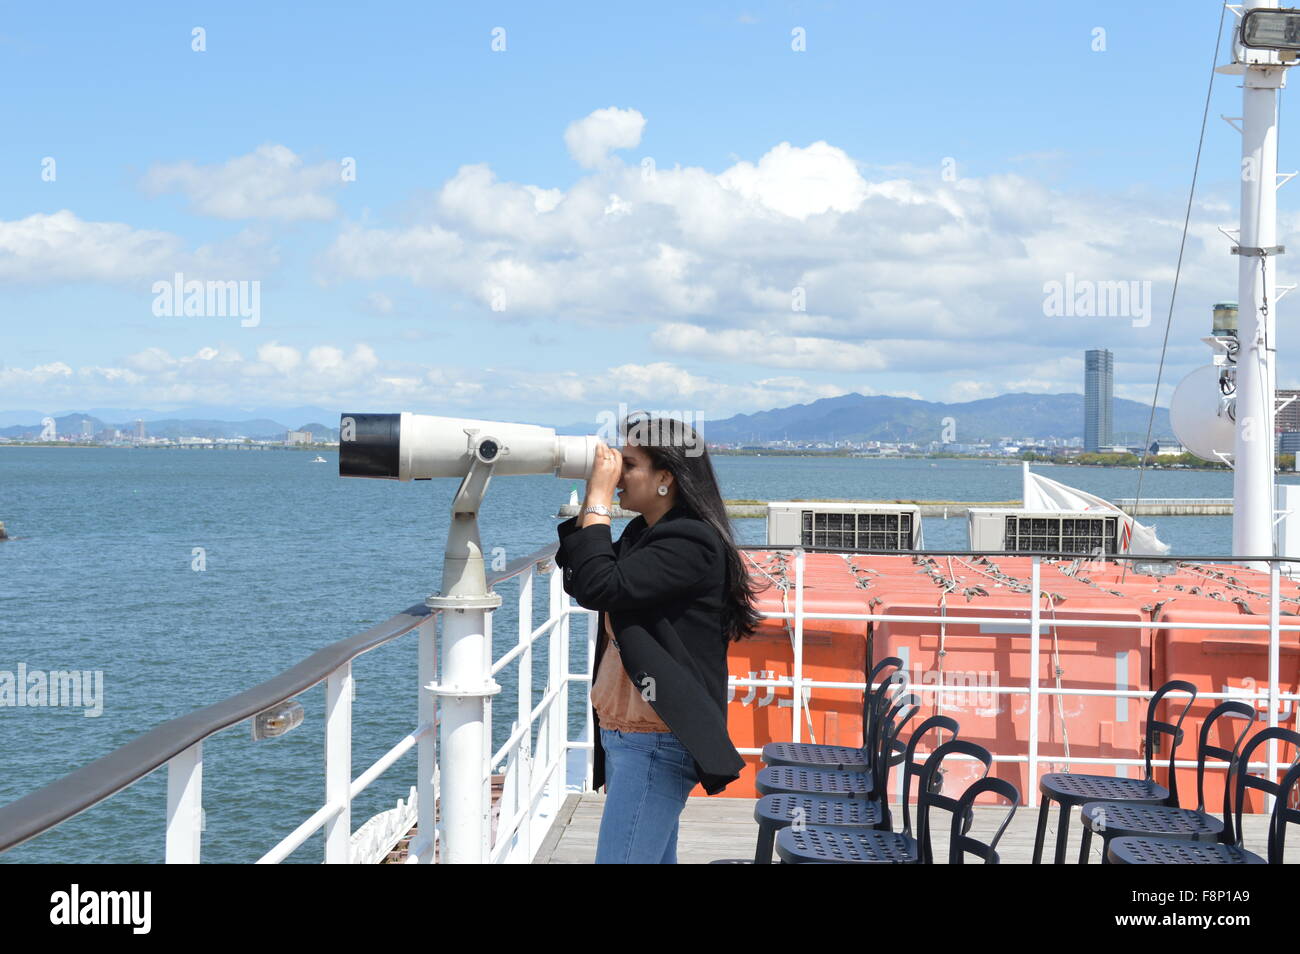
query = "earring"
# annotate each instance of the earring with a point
(663, 490)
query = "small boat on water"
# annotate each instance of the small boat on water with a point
(319, 460)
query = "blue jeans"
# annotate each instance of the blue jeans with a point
(648, 777)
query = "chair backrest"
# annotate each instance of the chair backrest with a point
(892, 724)
(1224, 710)
(893, 681)
(1247, 780)
(959, 842)
(1285, 811)
(878, 674)
(911, 768)
(930, 795)
(1156, 727)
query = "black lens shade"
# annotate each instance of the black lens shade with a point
(369, 445)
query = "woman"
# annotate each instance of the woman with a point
(672, 594)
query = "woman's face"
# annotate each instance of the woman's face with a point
(639, 485)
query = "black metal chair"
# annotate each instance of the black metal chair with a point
(1130, 819)
(1068, 789)
(1169, 851)
(846, 757)
(798, 779)
(777, 810)
(805, 844)
(960, 842)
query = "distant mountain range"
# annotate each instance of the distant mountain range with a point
(848, 417)
(172, 428)
(859, 417)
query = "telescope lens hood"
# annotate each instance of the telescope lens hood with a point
(369, 445)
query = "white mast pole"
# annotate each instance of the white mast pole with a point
(1252, 483)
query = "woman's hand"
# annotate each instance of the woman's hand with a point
(606, 472)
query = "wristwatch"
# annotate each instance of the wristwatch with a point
(598, 508)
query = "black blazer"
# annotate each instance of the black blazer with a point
(663, 590)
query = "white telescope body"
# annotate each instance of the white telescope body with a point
(410, 446)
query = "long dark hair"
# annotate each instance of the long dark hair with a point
(676, 447)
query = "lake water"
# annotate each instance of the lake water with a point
(100, 576)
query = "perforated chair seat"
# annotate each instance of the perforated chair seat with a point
(813, 755)
(837, 845)
(776, 779)
(1165, 851)
(1120, 819)
(819, 811)
(1070, 789)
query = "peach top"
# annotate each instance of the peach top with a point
(617, 700)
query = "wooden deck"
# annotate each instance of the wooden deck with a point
(717, 830)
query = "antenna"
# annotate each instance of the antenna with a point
(1262, 66)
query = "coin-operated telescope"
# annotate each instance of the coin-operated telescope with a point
(421, 447)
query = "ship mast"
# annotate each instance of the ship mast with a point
(1263, 74)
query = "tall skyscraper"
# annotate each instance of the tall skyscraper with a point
(1098, 388)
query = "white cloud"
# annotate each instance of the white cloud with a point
(661, 384)
(217, 374)
(330, 374)
(377, 303)
(269, 183)
(590, 139)
(769, 348)
(800, 182)
(280, 357)
(935, 287)
(901, 274)
(61, 247)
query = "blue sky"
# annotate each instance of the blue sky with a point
(507, 250)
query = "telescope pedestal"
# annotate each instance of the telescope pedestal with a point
(464, 692)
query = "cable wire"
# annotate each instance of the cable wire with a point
(1173, 296)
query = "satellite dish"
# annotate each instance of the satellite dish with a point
(1201, 415)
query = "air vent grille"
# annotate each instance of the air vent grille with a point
(857, 531)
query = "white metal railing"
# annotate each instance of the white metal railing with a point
(335, 816)
(1033, 689)
(801, 688)
(536, 754)
(1122, 502)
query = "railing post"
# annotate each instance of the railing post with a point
(1031, 794)
(524, 759)
(485, 767)
(464, 691)
(593, 624)
(561, 776)
(797, 709)
(1274, 664)
(556, 718)
(338, 764)
(422, 847)
(185, 806)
